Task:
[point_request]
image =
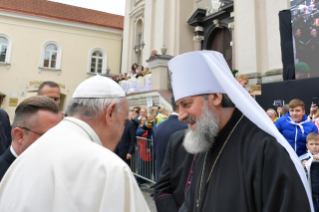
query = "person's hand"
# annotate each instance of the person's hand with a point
(316, 157)
(135, 115)
(304, 163)
(250, 91)
(128, 156)
(313, 109)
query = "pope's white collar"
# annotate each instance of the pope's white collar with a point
(13, 152)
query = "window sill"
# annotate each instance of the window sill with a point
(92, 74)
(5, 64)
(49, 69)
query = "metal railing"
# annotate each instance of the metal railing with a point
(142, 162)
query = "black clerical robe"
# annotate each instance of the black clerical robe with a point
(253, 173)
(171, 184)
(6, 159)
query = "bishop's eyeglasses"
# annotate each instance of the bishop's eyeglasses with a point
(27, 129)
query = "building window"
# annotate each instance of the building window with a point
(5, 50)
(97, 61)
(51, 56)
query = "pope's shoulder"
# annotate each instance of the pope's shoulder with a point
(59, 145)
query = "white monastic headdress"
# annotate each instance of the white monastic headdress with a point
(98, 87)
(206, 72)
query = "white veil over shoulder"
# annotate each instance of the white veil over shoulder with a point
(206, 72)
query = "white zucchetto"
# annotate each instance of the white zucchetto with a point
(206, 72)
(98, 87)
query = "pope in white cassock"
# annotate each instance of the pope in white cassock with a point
(72, 167)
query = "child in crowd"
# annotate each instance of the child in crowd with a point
(307, 159)
(313, 150)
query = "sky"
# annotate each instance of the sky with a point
(109, 6)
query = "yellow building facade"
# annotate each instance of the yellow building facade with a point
(36, 49)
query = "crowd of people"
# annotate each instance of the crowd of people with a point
(135, 72)
(210, 151)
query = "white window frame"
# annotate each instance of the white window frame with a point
(58, 59)
(104, 63)
(9, 50)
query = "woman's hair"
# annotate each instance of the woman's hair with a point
(134, 69)
(242, 77)
(272, 110)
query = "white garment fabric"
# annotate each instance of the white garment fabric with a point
(98, 87)
(67, 170)
(13, 152)
(214, 76)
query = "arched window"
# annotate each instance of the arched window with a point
(97, 61)
(51, 56)
(5, 49)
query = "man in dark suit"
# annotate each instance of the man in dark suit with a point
(125, 148)
(173, 178)
(5, 131)
(162, 134)
(33, 117)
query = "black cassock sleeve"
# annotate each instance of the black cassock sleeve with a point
(164, 199)
(276, 184)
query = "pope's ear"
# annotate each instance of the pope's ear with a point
(215, 99)
(18, 134)
(110, 113)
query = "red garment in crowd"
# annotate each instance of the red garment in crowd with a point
(144, 151)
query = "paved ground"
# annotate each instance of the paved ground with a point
(147, 192)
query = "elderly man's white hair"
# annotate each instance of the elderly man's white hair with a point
(92, 97)
(91, 108)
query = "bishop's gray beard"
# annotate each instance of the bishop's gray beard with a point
(203, 137)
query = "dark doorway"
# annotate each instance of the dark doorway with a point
(221, 43)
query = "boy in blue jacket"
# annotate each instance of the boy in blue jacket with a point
(295, 126)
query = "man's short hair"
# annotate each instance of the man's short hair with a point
(284, 109)
(296, 103)
(138, 108)
(49, 83)
(26, 112)
(242, 77)
(90, 109)
(312, 137)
